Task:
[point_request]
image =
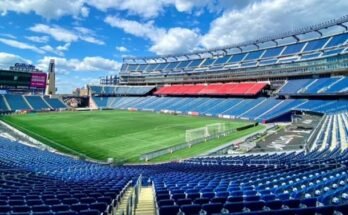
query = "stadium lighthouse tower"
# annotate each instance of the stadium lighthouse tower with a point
(51, 80)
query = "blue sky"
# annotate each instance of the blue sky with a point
(89, 38)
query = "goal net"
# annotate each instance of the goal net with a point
(216, 128)
(196, 134)
(200, 134)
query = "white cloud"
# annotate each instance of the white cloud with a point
(91, 39)
(8, 35)
(68, 36)
(37, 39)
(7, 60)
(84, 30)
(144, 8)
(21, 45)
(58, 33)
(59, 50)
(176, 40)
(189, 5)
(121, 49)
(73, 72)
(84, 12)
(148, 8)
(99, 64)
(267, 17)
(236, 24)
(51, 9)
(164, 41)
(87, 64)
(64, 48)
(48, 48)
(146, 30)
(46, 8)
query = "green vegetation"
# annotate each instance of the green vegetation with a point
(121, 135)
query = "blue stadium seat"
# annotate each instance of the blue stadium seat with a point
(221, 200)
(254, 206)
(201, 201)
(212, 208)
(169, 210)
(193, 196)
(66, 213)
(102, 207)
(17, 102)
(165, 202)
(190, 209)
(37, 103)
(5, 209)
(183, 202)
(89, 212)
(40, 208)
(233, 207)
(274, 205)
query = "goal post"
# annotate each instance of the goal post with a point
(216, 128)
(196, 134)
(203, 133)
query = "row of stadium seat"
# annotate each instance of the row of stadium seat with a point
(333, 132)
(248, 88)
(38, 181)
(336, 85)
(260, 109)
(271, 183)
(293, 158)
(120, 90)
(35, 181)
(318, 48)
(231, 190)
(11, 102)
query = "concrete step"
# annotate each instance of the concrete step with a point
(123, 203)
(146, 204)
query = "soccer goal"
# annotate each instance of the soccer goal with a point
(216, 128)
(203, 133)
(196, 134)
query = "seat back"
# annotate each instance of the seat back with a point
(191, 209)
(169, 210)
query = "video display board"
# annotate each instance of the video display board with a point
(22, 80)
(38, 80)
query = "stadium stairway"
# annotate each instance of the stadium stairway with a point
(146, 204)
(6, 103)
(26, 101)
(44, 100)
(120, 210)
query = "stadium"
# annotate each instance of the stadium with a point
(255, 128)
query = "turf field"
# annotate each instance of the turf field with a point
(121, 135)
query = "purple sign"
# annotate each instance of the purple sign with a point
(38, 80)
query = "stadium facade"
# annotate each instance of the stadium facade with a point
(305, 52)
(266, 80)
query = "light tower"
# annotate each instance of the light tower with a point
(51, 79)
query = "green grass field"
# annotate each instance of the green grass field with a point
(121, 135)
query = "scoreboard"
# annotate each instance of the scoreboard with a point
(22, 80)
(38, 80)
